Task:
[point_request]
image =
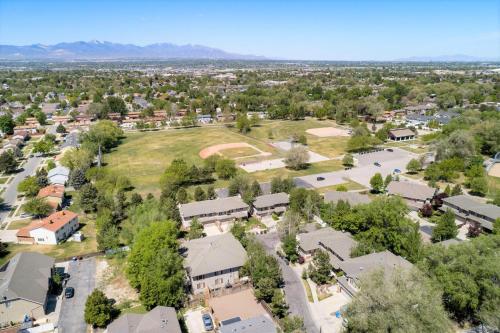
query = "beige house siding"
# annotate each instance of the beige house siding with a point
(214, 282)
(15, 310)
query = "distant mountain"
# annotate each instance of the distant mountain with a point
(447, 58)
(96, 50)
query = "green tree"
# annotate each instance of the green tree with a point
(255, 189)
(98, 309)
(155, 265)
(77, 178)
(243, 124)
(265, 288)
(77, 158)
(29, 186)
(195, 229)
(377, 183)
(7, 124)
(115, 105)
(60, 129)
(445, 228)
(8, 163)
(413, 166)
(37, 207)
(496, 226)
(297, 158)
(479, 186)
(41, 177)
(457, 190)
(322, 269)
(182, 196)
(87, 198)
(135, 199)
(102, 136)
(43, 146)
(289, 246)
(211, 195)
(387, 180)
(348, 160)
(199, 194)
(225, 168)
(292, 324)
(278, 305)
(409, 300)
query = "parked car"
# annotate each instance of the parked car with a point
(69, 292)
(319, 179)
(207, 322)
(377, 164)
(390, 149)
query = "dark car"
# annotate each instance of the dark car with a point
(320, 178)
(69, 292)
(390, 149)
(207, 322)
(377, 164)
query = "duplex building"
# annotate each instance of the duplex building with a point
(415, 195)
(24, 283)
(352, 198)
(161, 319)
(213, 211)
(336, 243)
(51, 230)
(401, 134)
(271, 203)
(213, 262)
(471, 211)
(59, 175)
(355, 268)
(54, 194)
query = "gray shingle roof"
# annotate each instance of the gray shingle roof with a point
(355, 267)
(466, 203)
(352, 198)
(211, 206)
(411, 190)
(337, 241)
(401, 132)
(268, 200)
(26, 276)
(212, 254)
(159, 320)
(260, 324)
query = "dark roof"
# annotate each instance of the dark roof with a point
(352, 198)
(268, 200)
(159, 320)
(260, 324)
(411, 190)
(211, 206)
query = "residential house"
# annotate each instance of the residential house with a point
(414, 194)
(336, 243)
(213, 262)
(355, 268)
(61, 120)
(59, 175)
(401, 134)
(22, 135)
(259, 324)
(50, 109)
(271, 203)
(213, 211)
(32, 129)
(141, 102)
(470, 211)
(54, 194)
(161, 319)
(24, 284)
(204, 118)
(353, 198)
(52, 230)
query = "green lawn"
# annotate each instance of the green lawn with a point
(63, 250)
(350, 185)
(143, 156)
(233, 153)
(19, 224)
(3, 180)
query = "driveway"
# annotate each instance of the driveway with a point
(82, 278)
(193, 320)
(10, 194)
(294, 290)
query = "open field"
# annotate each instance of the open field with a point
(18, 224)
(328, 132)
(63, 250)
(233, 150)
(144, 156)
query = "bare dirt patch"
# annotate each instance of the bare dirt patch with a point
(110, 278)
(324, 132)
(217, 149)
(495, 170)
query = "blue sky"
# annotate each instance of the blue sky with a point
(316, 30)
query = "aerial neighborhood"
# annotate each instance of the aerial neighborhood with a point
(183, 189)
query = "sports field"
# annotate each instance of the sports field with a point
(143, 156)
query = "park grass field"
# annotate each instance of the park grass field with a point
(143, 156)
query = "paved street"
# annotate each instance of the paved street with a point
(82, 278)
(10, 194)
(294, 290)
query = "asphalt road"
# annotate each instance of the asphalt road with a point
(82, 278)
(10, 193)
(294, 291)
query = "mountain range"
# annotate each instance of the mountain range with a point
(97, 50)
(447, 58)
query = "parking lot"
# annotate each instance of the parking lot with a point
(82, 278)
(361, 174)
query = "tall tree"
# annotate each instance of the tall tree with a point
(446, 227)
